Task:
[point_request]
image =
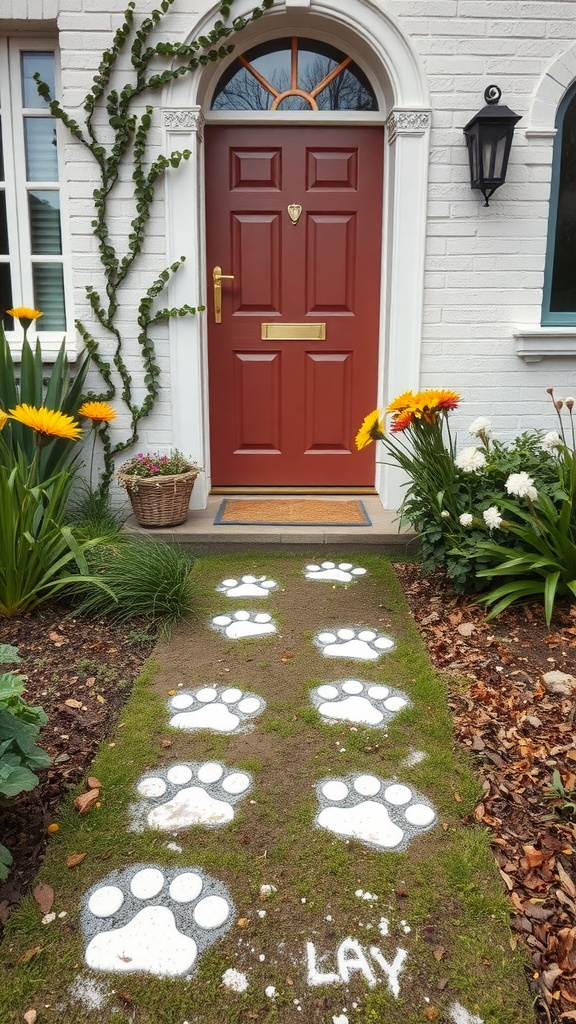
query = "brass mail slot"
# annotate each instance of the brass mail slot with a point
(293, 332)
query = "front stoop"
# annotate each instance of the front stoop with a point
(200, 535)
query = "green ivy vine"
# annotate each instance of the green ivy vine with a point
(129, 134)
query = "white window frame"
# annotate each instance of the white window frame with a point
(21, 259)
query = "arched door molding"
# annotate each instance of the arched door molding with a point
(374, 40)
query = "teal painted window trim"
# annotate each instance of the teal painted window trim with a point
(566, 318)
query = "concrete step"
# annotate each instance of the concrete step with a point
(200, 535)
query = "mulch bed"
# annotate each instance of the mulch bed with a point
(521, 733)
(80, 672)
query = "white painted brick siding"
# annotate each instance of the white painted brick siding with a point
(484, 267)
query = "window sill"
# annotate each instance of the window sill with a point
(536, 343)
(50, 342)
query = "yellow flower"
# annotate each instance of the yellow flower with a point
(25, 315)
(98, 412)
(372, 429)
(402, 402)
(47, 422)
(3, 419)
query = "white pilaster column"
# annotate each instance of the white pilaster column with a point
(405, 203)
(188, 335)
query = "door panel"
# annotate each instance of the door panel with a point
(285, 412)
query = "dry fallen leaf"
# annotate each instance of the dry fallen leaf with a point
(31, 952)
(243, 922)
(75, 859)
(85, 802)
(44, 896)
(72, 703)
(431, 1012)
(93, 783)
(53, 827)
(30, 1016)
(165, 743)
(57, 639)
(438, 952)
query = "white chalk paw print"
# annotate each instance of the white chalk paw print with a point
(377, 812)
(217, 708)
(239, 625)
(360, 644)
(358, 701)
(155, 920)
(336, 572)
(189, 794)
(247, 586)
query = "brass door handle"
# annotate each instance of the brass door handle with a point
(217, 277)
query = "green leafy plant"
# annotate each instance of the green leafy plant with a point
(142, 578)
(124, 144)
(20, 758)
(563, 800)
(60, 390)
(545, 565)
(36, 550)
(9, 655)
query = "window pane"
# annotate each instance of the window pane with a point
(41, 153)
(1, 154)
(242, 92)
(43, 63)
(45, 234)
(49, 296)
(5, 296)
(4, 250)
(350, 90)
(239, 90)
(563, 290)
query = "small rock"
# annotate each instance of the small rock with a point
(48, 918)
(85, 802)
(30, 1016)
(559, 683)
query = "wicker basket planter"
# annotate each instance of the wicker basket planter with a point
(161, 500)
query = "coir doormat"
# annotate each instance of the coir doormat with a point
(291, 512)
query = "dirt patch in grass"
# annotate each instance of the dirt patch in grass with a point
(333, 900)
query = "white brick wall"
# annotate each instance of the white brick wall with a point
(484, 267)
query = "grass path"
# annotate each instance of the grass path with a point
(441, 898)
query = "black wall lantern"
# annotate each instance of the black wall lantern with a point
(489, 138)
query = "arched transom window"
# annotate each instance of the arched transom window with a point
(559, 305)
(294, 74)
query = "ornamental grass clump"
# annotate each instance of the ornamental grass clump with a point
(142, 578)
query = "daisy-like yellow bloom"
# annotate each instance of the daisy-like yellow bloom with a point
(372, 429)
(25, 315)
(98, 412)
(435, 399)
(3, 419)
(401, 403)
(47, 423)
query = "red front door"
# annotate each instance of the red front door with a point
(284, 406)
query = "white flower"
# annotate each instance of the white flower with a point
(521, 486)
(481, 427)
(445, 514)
(551, 441)
(492, 517)
(466, 519)
(470, 459)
